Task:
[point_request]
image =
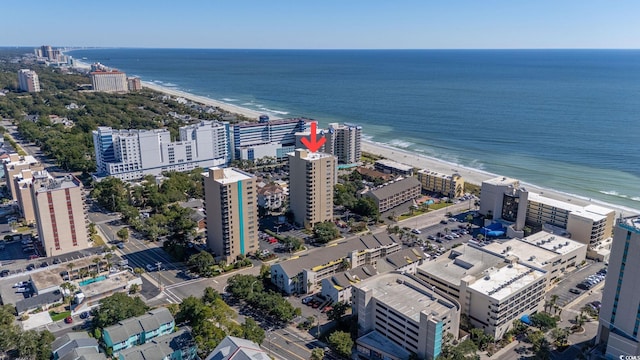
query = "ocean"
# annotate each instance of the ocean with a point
(567, 120)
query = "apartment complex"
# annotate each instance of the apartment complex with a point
(109, 81)
(272, 138)
(394, 193)
(14, 165)
(400, 308)
(131, 154)
(61, 214)
(449, 185)
(342, 141)
(28, 80)
(232, 212)
(139, 330)
(392, 167)
(493, 289)
(312, 177)
(177, 345)
(338, 287)
(504, 198)
(271, 196)
(304, 273)
(619, 318)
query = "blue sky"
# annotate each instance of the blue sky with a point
(327, 24)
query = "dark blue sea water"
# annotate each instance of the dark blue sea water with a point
(562, 119)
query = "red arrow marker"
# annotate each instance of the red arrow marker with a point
(313, 144)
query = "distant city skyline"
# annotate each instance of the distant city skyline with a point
(253, 24)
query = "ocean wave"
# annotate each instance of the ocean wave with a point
(274, 111)
(617, 194)
(229, 100)
(170, 85)
(400, 143)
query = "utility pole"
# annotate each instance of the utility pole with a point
(159, 265)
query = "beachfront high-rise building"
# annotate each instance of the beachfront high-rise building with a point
(231, 205)
(273, 138)
(60, 214)
(449, 185)
(131, 154)
(109, 81)
(342, 141)
(28, 80)
(619, 318)
(14, 165)
(505, 199)
(312, 177)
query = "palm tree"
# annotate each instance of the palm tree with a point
(96, 261)
(70, 267)
(134, 288)
(82, 273)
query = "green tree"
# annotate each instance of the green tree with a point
(252, 331)
(337, 312)
(116, 307)
(325, 232)
(202, 263)
(341, 342)
(242, 286)
(123, 234)
(317, 354)
(543, 321)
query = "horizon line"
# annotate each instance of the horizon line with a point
(71, 47)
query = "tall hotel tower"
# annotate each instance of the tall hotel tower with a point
(60, 214)
(28, 80)
(619, 320)
(312, 177)
(231, 204)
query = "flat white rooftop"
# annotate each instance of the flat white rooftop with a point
(405, 295)
(394, 164)
(231, 175)
(559, 204)
(307, 155)
(502, 180)
(435, 173)
(507, 280)
(27, 159)
(555, 243)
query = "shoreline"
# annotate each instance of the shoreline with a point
(471, 175)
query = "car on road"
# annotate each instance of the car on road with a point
(443, 222)
(120, 245)
(68, 320)
(4, 273)
(575, 291)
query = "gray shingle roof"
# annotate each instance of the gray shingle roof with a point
(38, 301)
(160, 347)
(145, 323)
(342, 249)
(233, 348)
(396, 187)
(405, 256)
(344, 279)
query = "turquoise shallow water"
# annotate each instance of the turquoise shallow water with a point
(562, 119)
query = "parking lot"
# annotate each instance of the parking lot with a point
(571, 281)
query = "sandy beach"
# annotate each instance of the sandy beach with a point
(203, 100)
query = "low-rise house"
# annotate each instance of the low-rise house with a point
(139, 330)
(392, 167)
(43, 302)
(234, 348)
(76, 345)
(271, 196)
(178, 345)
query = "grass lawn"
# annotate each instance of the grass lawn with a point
(59, 316)
(97, 240)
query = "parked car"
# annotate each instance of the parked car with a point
(575, 291)
(4, 273)
(21, 284)
(416, 231)
(120, 245)
(30, 267)
(22, 290)
(84, 315)
(431, 237)
(68, 320)
(151, 267)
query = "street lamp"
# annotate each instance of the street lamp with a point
(277, 228)
(318, 328)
